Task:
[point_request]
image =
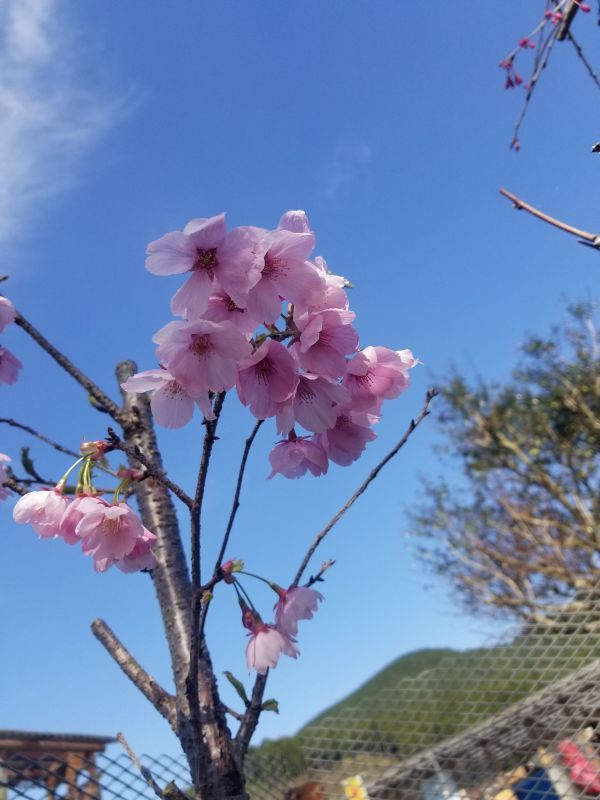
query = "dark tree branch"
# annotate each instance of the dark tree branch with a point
(319, 576)
(153, 470)
(15, 486)
(414, 423)
(163, 702)
(252, 715)
(196, 529)
(102, 399)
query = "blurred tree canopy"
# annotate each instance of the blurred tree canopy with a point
(518, 536)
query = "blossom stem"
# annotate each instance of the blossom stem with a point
(258, 578)
(239, 588)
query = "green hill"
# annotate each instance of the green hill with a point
(406, 666)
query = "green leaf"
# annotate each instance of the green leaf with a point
(238, 686)
(270, 705)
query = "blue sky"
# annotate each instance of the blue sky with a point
(388, 123)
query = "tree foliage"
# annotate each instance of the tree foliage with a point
(518, 535)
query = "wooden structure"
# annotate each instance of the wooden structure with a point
(51, 761)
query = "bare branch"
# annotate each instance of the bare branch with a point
(91, 388)
(163, 702)
(15, 486)
(192, 682)
(591, 239)
(153, 471)
(319, 576)
(238, 490)
(414, 423)
(251, 716)
(581, 55)
(28, 429)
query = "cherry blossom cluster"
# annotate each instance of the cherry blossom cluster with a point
(298, 363)
(268, 641)
(9, 363)
(109, 532)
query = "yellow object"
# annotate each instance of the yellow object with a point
(355, 789)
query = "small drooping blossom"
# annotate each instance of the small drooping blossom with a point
(377, 373)
(265, 646)
(7, 313)
(312, 405)
(286, 273)
(267, 378)
(326, 338)
(43, 510)
(4, 490)
(9, 366)
(172, 406)
(141, 557)
(215, 257)
(295, 221)
(71, 518)
(294, 604)
(293, 457)
(346, 441)
(201, 355)
(108, 532)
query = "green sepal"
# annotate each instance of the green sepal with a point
(270, 705)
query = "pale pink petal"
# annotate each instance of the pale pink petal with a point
(146, 381)
(191, 300)
(295, 221)
(7, 313)
(172, 254)
(171, 406)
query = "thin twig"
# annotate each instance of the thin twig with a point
(144, 771)
(238, 490)
(542, 58)
(61, 448)
(592, 239)
(192, 682)
(233, 713)
(579, 50)
(252, 715)
(102, 399)
(319, 576)
(162, 701)
(28, 429)
(414, 423)
(153, 471)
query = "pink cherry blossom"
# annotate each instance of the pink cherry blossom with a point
(7, 313)
(9, 366)
(201, 355)
(312, 405)
(4, 490)
(331, 295)
(377, 373)
(295, 603)
(141, 557)
(216, 258)
(171, 405)
(221, 308)
(43, 510)
(286, 274)
(108, 532)
(70, 519)
(326, 338)
(293, 457)
(265, 645)
(267, 378)
(346, 441)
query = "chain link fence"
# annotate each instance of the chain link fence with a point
(515, 721)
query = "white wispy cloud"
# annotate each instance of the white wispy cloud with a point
(348, 164)
(49, 117)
